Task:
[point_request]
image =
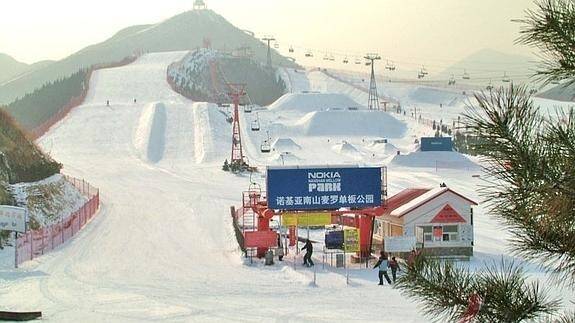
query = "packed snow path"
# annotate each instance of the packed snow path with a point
(163, 248)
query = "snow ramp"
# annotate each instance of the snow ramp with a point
(309, 102)
(149, 138)
(433, 159)
(350, 123)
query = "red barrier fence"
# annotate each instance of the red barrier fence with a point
(40, 130)
(38, 242)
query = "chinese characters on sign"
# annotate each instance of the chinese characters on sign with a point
(12, 218)
(324, 200)
(323, 188)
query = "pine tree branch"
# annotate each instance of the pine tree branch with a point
(551, 28)
(444, 288)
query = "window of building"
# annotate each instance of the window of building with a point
(440, 233)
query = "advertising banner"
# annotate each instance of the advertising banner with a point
(326, 188)
(399, 244)
(260, 239)
(351, 240)
(306, 219)
(12, 218)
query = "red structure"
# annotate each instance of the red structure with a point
(254, 202)
(237, 90)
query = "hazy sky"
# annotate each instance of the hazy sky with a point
(420, 31)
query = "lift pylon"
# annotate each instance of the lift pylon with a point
(236, 91)
(269, 57)
(373, 100)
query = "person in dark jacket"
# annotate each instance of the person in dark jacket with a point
(394, 265)
(382, 263)
(308, 247)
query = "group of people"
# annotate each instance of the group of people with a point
(383, 263)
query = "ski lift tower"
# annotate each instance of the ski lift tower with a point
(236, 91)
(269, 58)
(199, 5)
(373, 101)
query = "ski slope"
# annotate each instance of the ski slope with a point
(163, 248)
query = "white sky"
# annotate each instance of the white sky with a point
(426, 32)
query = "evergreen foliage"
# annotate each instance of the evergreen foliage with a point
(530, 187)
(551, 28)
(444, 289)
(22, 161)
(35, 108)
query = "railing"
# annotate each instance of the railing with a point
(38, 242)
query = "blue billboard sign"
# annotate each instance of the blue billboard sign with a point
(323, 188)
(436, 144)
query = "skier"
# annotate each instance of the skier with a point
(382, 263)
(394, 265)
(107, 103)
(309, 250)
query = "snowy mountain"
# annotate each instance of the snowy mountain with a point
(488, 65)
(182, 32)
(12, 68)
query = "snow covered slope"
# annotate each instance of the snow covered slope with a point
(163, 248)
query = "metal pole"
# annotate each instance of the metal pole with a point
(314, 275)
(15, 249)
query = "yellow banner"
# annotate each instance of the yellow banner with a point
(351, 240)
(289, 219)
(313, 219)
(306, 219)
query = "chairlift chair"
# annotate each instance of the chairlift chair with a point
(291, 49)
(465, 75)
(390, 66)
(255, 125)
(325, 57)
(309, 54)
(367, 63)
(331, 58)
(357, 61)
(265, 147)
(420, 75)
(247, 108)
(489, 86)
(423, 71)
(276, 45)
(505, 78)
(451, 80)
(345, 60)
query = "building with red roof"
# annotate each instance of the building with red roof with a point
(439, 220)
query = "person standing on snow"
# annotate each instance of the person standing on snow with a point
(309, 250)
(394, 265)
(382, 263)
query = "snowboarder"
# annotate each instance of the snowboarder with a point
(307, 257)
(382, 263)
(394, 265)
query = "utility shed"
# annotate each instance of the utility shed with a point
(440, 219)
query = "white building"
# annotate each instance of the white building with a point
(440, 218)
